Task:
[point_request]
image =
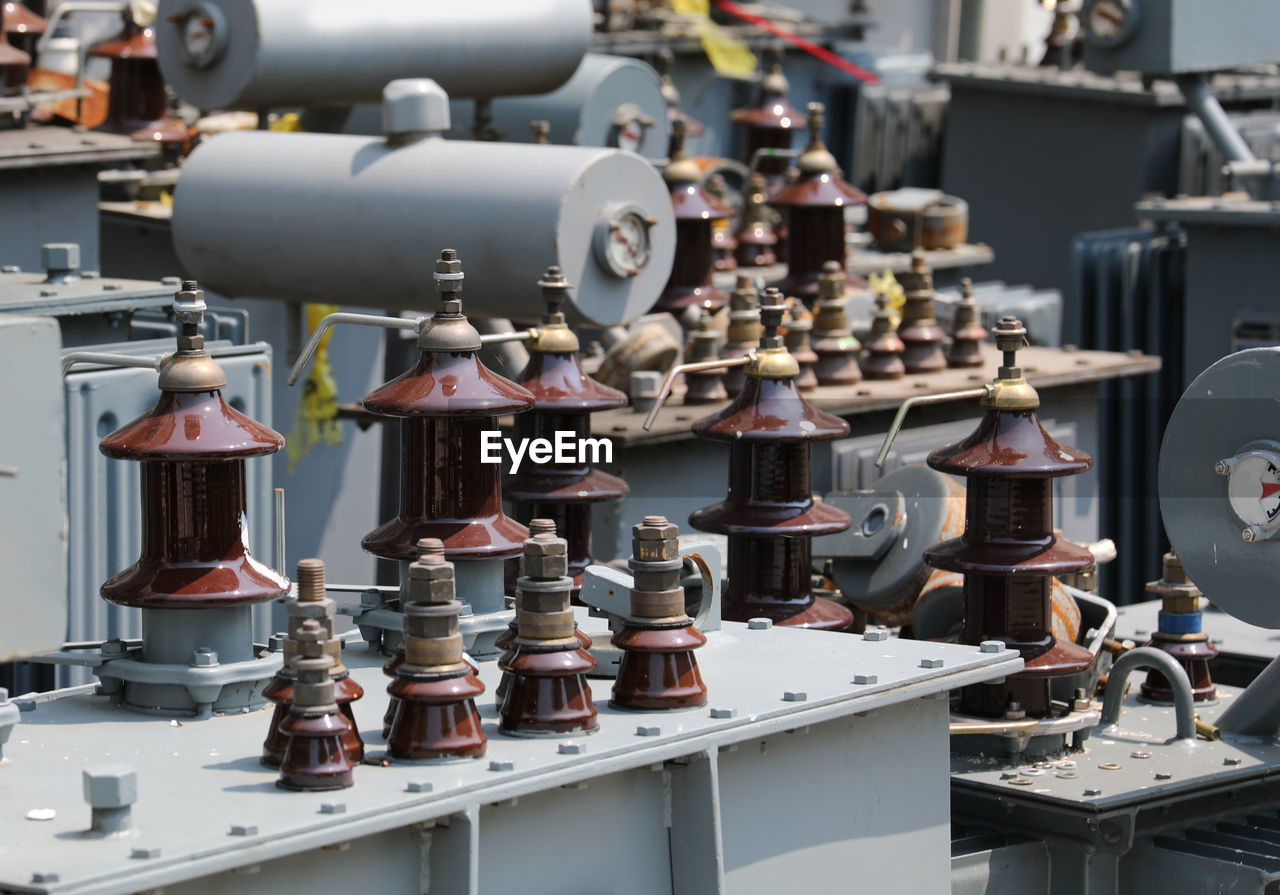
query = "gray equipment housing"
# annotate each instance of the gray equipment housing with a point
(280, 216)
(267, 53)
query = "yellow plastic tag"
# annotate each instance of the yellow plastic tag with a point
(887, 284)
(316, 419)
(727, 54)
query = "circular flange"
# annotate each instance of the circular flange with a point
(1224, 416)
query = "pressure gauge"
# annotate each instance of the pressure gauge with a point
(622, 243)
(1109, 23)
(629, 127)
(203, 33)
(1253, 490)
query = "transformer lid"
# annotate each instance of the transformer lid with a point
(191, 426)
(558, 382)
(448, 384)
(1010, 443)
(770, 410)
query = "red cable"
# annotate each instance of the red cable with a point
(799, 42)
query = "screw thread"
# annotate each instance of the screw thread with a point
(310, 579)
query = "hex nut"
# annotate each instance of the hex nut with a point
(724, 713)
(417, 786)
(572, 749)
(333, 808)
(875, 635)
(648, 731)
(243, 830)
(647, 532)
(759, 624)
(991, 646)
(545, 565)
(60, 256)
(930, 663)
(496, 765)
(865, 679)
(113, 786)
(795, 696)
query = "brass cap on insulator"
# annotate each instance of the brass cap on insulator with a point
(705, 338)
(1010, 391)
(756, 208)
(917, 287)
(544, 612)
(312, 666)
(431, 576)
(680, 167)
(1177, 592)
(656, 594)
(432, 638)
(831, 319)
(554, 334)
(448, 330)
(774, 81)
(190, 368)
(313, 604)
(541, 132)
(966, 314)
(772, 360)
(816, 158)
(744, 313)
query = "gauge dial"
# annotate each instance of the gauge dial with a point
(1253, 490)
(1111, 22)
(623, 245)
(203, 35)
(631, 135)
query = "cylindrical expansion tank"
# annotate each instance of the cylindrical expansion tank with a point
(349, 220)
(256, 54)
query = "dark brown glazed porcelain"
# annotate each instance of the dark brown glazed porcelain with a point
(437, 717)
(315, 760)
(17, 23)
(833, 340)
(884, 348)
(756, 239)
(921, 336)
(1009, 553)
(798, 331)
(769, 514)
(697, 213)
(137, 106)
(564, 399)
(1192, 650)
(814, 207)
(658, 669)
(389, 668)
(744, 331)
(967, 335)
(769, 124)
(446, 401)
(192, 446)
(704, 386)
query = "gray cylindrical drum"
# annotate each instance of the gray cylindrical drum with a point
(331, 218)
(255, 54)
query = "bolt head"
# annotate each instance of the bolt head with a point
(414, 106)
(243, 830)
(204, 657)
(1222, 467)
(417, 786)
(110, 786)
(864, 679)
(572, 749)
(875, 635)
(795, 696)
(145, 851)
(991, 646)
(644, 532)
(930, 663)
(496, 765)
(724, 713)
(333, 808)
(60, 256)
(759, 624)
(648, 731)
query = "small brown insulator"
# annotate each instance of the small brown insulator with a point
(658, 669)
(968, 335)
(919, 331)
(436, 688)
(884, 348)
(14, 61)
(137, 103)
(833, 339)
(311, 604)
(797, 330)
(723, 244)
(744, 331)
(547, 691)
(1179, 633)
(706, 386)
(697, 215)
(315, 758)
(756, 238)
(769, 124)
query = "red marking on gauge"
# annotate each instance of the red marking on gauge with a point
(1269, 488)
(1113, 18)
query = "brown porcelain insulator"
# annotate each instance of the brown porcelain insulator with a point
(658, 669)
(756, 238)
(723, 243)
(564, 399)
(919, 331)
(445, 402)
(833, 340)
(968, 335)
(1179, 634)
(137, 106)
(744, 331)
(311, 604)
(769, 123)
(192, 446)
(707, 386)
(21, 27)
(797, 330)
(315, 758)
(884, 348)
(1009, 553)
(770, 515)
(545, 671)
(670, 93)
(434, 686)
(697, 214)
(814, 207)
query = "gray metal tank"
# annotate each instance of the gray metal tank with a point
(256, 54)
(357, 221)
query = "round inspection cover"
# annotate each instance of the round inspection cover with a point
(1232, 408)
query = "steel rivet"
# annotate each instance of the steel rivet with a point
(930, 663)
(1139, 754)
(1163, 775)
(643, 731)
(572, 749)
(759, 624)
(724, 713)
(496, 765)
(243, 830)
(795, 696)
(333, 808)
(865, 679)
(417, 786)
(1230, 762)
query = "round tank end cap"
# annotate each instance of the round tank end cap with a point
(414, 106)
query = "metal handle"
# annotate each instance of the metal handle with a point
(110, 360)
(675, 371)
(767, 152)
(520, 335)
(1158, 660)
(69, 6)
(919, 400)
(309, 350)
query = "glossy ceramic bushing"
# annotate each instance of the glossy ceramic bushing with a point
(1179, 632)
(967, 335)
(921, 336)
(137, 105)
(697, 213)
(884, 348)
(315, 758)
(833, 340)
